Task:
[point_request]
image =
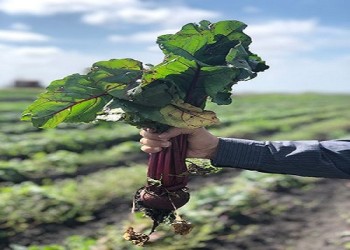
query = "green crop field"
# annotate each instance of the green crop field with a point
(72, 187)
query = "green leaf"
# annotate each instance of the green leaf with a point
(159, 94)
(136, 114)
(201, 61)
(184, 115)
(247, 62)
(117, 76)
(217, 82)
(176, 72)
(177, 114)
(223, 98)
(207, 43)
(72, 99)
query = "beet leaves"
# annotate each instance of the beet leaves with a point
(202, 62)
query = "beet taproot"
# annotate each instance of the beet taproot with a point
(163, 199)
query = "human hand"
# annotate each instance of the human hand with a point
(201, 143)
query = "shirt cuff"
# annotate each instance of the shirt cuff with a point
(238, 153)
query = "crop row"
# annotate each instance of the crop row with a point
(17, 128)
(25, 145)
(30, 153)
(16, 94)
(247, 109)
(293, 128)
(276, 116)
(79, 199)
(336, 128)
(213, 210)
(64, 163)
(14, 107)
(9, 117)
(79, 138)
(28, 204)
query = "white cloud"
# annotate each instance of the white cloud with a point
(251, 9)
(20, 26)
(22, 36)
(127, 14)
(278, 38)
(287, 37)
(303, 56)
(36, 52)
(49, 7)
(288, 46)
(281, 27)
(45, 63)
(144, 15)
(111, 11)
(141, 37)
(153, 48)
(332, 37)
(281, 37)
(299, 74)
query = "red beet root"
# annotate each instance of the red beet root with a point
(168, 177)
(164, 200)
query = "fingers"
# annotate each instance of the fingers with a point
(155, 143)
(172, 132)
(149, 135)
(175, 132)
(151, 143)
(150, 150)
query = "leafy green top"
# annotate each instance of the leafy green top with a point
(202, 61)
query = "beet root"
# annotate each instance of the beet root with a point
(161, 199)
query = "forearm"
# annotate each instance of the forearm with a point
(329, 159)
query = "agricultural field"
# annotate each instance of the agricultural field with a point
(71, 188)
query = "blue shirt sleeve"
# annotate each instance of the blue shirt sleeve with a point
(330, 159)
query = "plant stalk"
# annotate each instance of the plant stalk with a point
(168, 166)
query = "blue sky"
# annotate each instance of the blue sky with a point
(306, 42)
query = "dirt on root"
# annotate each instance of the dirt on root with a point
(316, 219)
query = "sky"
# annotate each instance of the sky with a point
(306, 43)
